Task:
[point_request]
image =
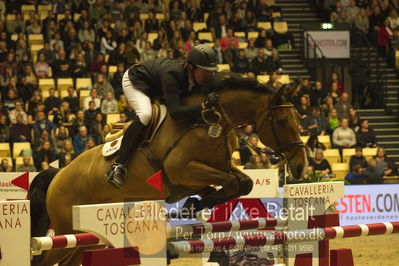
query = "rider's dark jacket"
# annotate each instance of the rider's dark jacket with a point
(168, 79)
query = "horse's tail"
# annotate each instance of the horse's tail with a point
(40, 221)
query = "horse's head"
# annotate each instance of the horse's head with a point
(278, 127)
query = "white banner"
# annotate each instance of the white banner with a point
(333, 44)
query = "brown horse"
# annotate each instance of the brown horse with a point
(191, 161)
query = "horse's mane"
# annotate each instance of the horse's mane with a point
(231, 81)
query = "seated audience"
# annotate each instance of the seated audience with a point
(374, 172)
(312, 145)
(358, 159)
(365, 135)
(80, 140)
(20, 132)
(356, 175)
(343, 136)
(5, 166)
(320, 164)
(27, 165)
(387, 165)
(249, 149)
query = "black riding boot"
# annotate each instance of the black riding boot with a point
(117, 172)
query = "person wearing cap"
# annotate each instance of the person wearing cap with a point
(170, 79)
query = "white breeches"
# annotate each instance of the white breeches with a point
(140, 102)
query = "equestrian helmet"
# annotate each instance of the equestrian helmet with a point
(203, 57)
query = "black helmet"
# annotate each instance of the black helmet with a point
(203, 56)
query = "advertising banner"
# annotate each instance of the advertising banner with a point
(334, 44)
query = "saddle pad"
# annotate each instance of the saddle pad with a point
(114, 141)
(111, 147)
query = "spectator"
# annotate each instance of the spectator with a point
(90, 143)
(385, 33)
(317, 95)
(34, 101)
(354, 119)
(374, 172)
(5, 166)
(269, 47)
(109, 105)
(240, 63)
(79, 68)
(77, 122)
(44, 153)
(163, 50)
(259, 63)
(123, 105)
(102, 86)
(361, 26)
(260, 41)
(140, 43)
(11, 97)
(387, 165)
(251, 51)
(366, 136)
(72, 99)
(246, 134)
(353, 10)
(52, 103)
(148, 53)
(161, 38)
(254, 162)
(42, 123)
(18, 111)
(96, 64)
(91, 54)
(67, 153)
(108, 44)
(92, 97)
(393, 19)
(90, 114)
(327, 106)
(249, 22)
(320, 165)
(44, 165)
(116, 81)
(225, 41)
(25, 90)
(18, 24)
(273, 62)
(358, 159)
(343, 17)
(249, 149)
(61, 67)
(334, 78)
(343, 136)
(312, 145)
(230, 53)
(4, 129)
(356, 175)
(44, 136)
(117, 56)
(343, 106)
(314, 123)
(61, 137)
(79, 141)
(219, 53)
(303, 107)
(221, 27)
(376, 20)
(49, 55)
(86, 33)
(97, 128)
(27, 165)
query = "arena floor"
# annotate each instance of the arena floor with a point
(367, 251)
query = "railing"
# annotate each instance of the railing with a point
(379, 86)
(313, 56)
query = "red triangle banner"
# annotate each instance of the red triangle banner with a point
(155, 181)
(22, 181)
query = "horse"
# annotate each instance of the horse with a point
(192, 157)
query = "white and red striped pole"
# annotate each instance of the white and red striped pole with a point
(189, 230)
(39, 244)
(264, 238)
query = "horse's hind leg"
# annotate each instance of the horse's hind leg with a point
(201, 175)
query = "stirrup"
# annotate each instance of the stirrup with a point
(116, 175)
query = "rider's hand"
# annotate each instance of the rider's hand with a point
(211, 101)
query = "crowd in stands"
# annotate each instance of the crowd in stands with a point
(374, 20)
(84, 39)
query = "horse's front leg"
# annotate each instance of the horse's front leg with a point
(200, 176)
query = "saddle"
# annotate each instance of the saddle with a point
(113, 139)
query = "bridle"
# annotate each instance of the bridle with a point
(282, 147)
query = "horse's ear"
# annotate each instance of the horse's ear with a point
(279, 94)
(293, 89)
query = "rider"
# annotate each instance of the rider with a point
(170, 78)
